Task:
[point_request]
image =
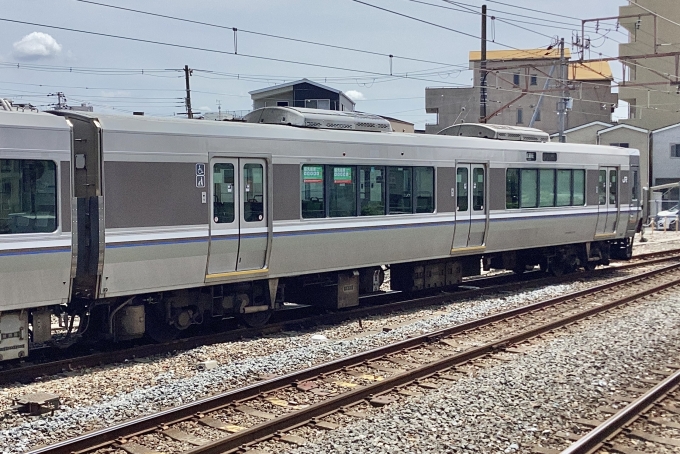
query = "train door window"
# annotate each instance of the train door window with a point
(424, 181)
(462, 188)
(529, 188)
(579, 188)
(223, 196)
(547, 188)
(253, 192)
(512, 189)
(372, 190)
(635, 186)
(342, 195)
(400, 189)
(312, 192)
(563, 185)
(613, 186)
(28, 196)
(602, 187)
(477, 189)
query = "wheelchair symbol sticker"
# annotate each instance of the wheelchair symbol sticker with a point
(200, 169)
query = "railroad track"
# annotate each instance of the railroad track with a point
(28, 371)
(244, 417)
(648, 421)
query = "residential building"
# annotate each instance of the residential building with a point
(302, 93)
(654, 102)
(523, 89)
(666, 161)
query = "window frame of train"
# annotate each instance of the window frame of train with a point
(375, 190)
(543, 187)
(24, 208)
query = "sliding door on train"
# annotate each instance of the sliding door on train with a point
(608, 200)
(238, 228)
(471, 210)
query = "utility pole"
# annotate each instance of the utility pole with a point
(187, 73)
(61, 100)
(562, 104)
(482, 71)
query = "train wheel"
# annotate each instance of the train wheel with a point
(557, 269)
(157, 327)
(256, 319)
(589, 266)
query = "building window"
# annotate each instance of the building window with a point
(534, 80)
(619, 144)
(515, 79)
(675, 150)
(282, 103)
(538, 115)
(520, 116)
(318, 104)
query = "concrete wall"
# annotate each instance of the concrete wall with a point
(655, 106)
(665, 168)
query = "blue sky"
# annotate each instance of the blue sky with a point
(123, 75)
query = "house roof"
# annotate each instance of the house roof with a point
(283, 87)
(622, 126)
(587, 125)
(520, 54)
(666, 128)
(596, 70)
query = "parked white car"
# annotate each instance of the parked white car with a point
(666, 219)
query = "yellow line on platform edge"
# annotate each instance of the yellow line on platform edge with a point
(468, 249)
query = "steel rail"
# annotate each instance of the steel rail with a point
(28, 373)
(144, 424)
(598, 436)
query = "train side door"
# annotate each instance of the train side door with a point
(608, 200)
(253, 219)
(470, 228)
(238, 228)
(225, 215)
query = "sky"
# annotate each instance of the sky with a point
(132, 61)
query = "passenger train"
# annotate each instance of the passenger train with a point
(139, 226)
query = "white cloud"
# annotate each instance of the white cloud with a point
(355, 95)
(35, 46)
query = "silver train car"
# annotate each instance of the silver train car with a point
(140, 226)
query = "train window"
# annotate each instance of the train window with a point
(602, 187)
(253, 192)
(477, 189)
(563, 186)
(28, 196)
(342, 195)
(462, 188)
(579, 188)
(547, 188)
(529, 188)
(223, 196)
(512, 189)
(613, 186)
(372, 190)
(400, 189)
(424, 182)
(312, 191)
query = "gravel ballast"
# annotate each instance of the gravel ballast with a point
(513, 405)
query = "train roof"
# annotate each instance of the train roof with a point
(181, 126)
(32, 119)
